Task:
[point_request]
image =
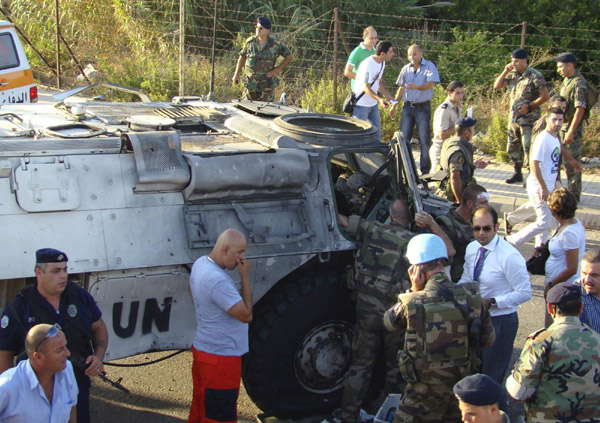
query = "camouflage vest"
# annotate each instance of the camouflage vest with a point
(453, 145)
(380, 266)
(438, 335)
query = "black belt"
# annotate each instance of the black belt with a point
(413, 104)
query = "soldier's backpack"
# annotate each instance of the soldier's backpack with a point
(591, 97)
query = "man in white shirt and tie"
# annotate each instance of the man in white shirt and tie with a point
(500, 270)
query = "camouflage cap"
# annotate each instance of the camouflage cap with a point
(566, 57)
(562, 293)
(50, 255)
(519, 53)
(478, 390)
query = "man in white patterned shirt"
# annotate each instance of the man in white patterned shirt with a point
(500, 270)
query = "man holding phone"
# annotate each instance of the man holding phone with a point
(222, 332)
(439, 348)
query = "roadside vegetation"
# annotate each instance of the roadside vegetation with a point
(135, 43)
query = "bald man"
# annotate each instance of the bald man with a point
(221, 337)
(43, 387)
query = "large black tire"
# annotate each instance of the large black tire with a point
(300, 344)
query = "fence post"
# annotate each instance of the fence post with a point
(523, 33)
(57, 46)
(336, 24)
(181, 47)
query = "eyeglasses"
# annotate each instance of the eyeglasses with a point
(52, 332)
(484, 228)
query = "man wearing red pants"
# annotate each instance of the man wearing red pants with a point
(222, 332)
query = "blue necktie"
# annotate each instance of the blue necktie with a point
(483, 252)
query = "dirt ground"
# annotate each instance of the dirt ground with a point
(162, 392)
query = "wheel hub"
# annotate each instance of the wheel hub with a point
(323, 357)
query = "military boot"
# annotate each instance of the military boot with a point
(517, 177)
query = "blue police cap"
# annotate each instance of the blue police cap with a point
(264, 22)
(478, 389)
(519, 53)
(466, 122)
(50, 255)
(566, 57)
(562, 293)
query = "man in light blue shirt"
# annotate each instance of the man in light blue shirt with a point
(43, 387)
(416, 82)
(221, 337)
(590, 289)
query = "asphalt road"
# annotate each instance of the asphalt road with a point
(162, 392)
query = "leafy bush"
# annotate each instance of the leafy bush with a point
(494, 141)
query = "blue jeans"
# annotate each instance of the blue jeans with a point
(497, 357)
(421, 116)
(370, 114)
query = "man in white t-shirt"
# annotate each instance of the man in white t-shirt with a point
(369, 81)
(221, 337)
(544, 161)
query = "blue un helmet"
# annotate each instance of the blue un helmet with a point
(424, 248)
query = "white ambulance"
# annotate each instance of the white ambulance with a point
(16, 78)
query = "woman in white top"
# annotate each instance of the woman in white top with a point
(567, 246)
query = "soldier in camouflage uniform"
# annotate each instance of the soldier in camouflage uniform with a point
(259, 55)
(456, 224)
(558, 372)
(379, 274)
(574, 90)
(456, 159)
(445, 326)
(528, 92)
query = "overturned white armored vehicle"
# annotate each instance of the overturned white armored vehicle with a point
(135, 192)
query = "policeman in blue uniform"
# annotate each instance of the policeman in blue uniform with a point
(55, 300)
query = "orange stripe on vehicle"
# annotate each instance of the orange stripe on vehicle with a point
(16, 79)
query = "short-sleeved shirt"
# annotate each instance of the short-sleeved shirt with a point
(427, 72)
(575, 92)
(591, 309)
(372, 72)
(214, 293)
(22, 398)
(570, 238)
(562, 364)
(444, 118)
(546, 150)
(259, 62)
(12, 333)
(360, 53)
(524, 89)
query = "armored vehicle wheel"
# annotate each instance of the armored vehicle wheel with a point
(324, 129)
(300, 345)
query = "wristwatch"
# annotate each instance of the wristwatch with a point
(493, 303)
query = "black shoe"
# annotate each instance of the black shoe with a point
(517, 177)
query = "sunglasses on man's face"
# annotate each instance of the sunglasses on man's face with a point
(52, 332)
(480, 228)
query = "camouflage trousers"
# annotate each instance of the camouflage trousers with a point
(259, 89)
(368, 340)
(576, 150)
(519, 142)
(432, 403)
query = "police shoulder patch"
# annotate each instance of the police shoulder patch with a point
(460, 159)
(4, 322)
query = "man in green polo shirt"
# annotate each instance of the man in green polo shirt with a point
(360, 53)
